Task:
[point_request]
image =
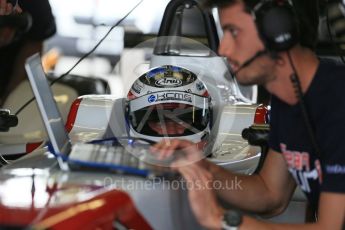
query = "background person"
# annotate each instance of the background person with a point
(15, 49)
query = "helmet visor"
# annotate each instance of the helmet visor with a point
(181, 114)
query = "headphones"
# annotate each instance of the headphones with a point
(277, 24)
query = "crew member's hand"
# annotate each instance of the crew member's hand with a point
(184, 152)
(7, 33)
(202, 198)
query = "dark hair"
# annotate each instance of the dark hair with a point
(307, 12)
(208, 4)
(249, 4)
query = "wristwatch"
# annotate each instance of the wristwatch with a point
(231, 220)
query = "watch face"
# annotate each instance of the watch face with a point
(233, 218)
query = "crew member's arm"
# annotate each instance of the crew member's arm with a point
(268, 192)
(203, 201)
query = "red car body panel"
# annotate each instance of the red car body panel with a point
(92, 207)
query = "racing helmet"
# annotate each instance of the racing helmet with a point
(169, 102)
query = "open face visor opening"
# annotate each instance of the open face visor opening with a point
(169, 118)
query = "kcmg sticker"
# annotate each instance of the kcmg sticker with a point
(176, 96)
(151, 98)
(168, 81)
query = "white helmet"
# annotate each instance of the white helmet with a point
(169, 102)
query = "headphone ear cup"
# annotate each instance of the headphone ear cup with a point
(277, 26)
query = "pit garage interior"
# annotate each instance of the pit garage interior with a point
(81, 105)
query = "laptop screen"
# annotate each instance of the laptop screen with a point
(49, 111)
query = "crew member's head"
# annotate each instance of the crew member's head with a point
(169, 102)
(256, 34)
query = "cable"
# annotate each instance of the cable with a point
(299, 93)
(24, 106)
(3, 161)
(335, 46)
(83, 57)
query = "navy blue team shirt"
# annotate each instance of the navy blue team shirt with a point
(325, 102)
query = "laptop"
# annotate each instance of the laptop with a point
(80, 156)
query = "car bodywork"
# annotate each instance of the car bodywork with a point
(35, 190)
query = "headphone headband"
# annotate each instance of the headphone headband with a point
(277, 24)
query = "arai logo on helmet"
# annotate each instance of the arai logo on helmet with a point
(151, 98)
(168, 81)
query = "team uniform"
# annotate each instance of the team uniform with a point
(325, 103)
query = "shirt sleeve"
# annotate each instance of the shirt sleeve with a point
(333, 161)
(274, 132)
(331, 135)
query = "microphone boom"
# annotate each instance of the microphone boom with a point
(250, 60)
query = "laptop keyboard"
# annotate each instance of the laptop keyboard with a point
(104, 154)
(117, 159)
